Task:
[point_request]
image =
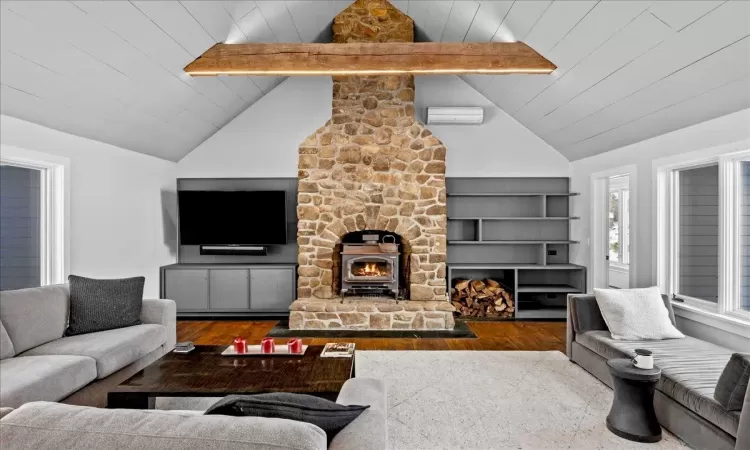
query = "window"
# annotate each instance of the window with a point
(704, 233)
(744, 212)
(614, 226)
(20, 222)
(697, 233)
(32, 219)
(619, 220)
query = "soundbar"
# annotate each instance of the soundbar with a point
(255, 250)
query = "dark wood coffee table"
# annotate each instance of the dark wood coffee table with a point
(205, 373)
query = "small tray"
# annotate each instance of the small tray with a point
(254, 350)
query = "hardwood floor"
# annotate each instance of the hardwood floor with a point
(490, 336)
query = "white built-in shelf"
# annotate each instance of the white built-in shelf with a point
(513, 218)
(509, 242)
(512, 194)
(542, 313)
(515, 266)
(548, 288)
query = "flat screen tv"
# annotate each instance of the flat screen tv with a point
(232, 217)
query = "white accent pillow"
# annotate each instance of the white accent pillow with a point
(636, 314)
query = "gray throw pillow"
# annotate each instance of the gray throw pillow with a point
(328, 415)
(99, 305)
(732, 386)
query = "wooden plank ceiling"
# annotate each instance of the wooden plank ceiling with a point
(627, 70)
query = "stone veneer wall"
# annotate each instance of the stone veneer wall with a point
(372, 167)
(372, 21)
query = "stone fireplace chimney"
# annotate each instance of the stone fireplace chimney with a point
(372, 166)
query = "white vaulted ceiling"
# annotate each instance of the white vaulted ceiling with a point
(627, 70)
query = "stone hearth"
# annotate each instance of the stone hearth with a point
(372, 166)
(369, 314)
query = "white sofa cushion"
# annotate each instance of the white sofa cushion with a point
(634, 314)
(43, 425)
(6, 345)
(31, 378)
(112, 349)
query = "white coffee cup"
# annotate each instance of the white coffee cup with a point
(644, 359)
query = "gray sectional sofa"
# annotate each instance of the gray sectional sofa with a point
(684, 399)
(37, 362)
(43, 425)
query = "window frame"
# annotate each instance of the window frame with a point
(54, 215)
(624, 222)
(667, 219)
(729, 241)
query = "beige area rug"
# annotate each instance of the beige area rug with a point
(494, 400)
(486, 400)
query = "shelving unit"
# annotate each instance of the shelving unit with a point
(509, 242)
(513, 218)
(549, 288)
(511, 194)
(517, 230)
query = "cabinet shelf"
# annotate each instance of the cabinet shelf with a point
(542, 313)
(513, 218)
(229, 289)
(519, 242)
(548, 288)
(512, 194)
(515, 266)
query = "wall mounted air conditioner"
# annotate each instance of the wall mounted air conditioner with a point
(455, 115)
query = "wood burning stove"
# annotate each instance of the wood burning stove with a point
(370, 267)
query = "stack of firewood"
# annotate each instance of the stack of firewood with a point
(482, 298)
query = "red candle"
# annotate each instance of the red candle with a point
(267, 345)
(295, 345)
(240, 345)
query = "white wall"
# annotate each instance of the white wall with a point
(264, 139)
(619, 277)
(500, 147)
(729, 129)
(119, 226)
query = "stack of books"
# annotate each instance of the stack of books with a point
(184, 347)
(338, 350)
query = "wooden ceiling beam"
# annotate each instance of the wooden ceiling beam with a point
(380, 58)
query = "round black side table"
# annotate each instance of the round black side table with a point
(632, 415)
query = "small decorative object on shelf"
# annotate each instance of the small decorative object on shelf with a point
(184, 347)
(389, 244)
(338, 350)
(240, 345)
(294, 345)
(267, 345)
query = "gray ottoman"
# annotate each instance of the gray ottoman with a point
(632, 415)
